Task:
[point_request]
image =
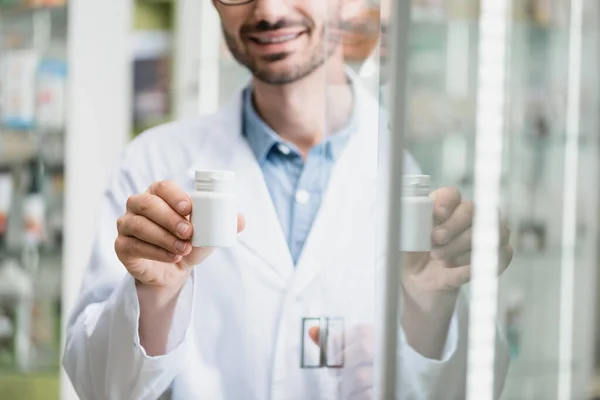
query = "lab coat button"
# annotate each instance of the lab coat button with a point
(302, 197)
(285, 150)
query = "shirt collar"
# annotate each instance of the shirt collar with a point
(262, 138)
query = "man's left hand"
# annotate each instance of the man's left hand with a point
(448, 266)
(431, 280)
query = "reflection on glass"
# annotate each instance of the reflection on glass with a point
(322, 343)
(443, 105)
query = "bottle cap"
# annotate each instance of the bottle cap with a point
(418, 185)
(214, 180)
(210, 176)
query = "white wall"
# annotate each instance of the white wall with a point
(98, 127)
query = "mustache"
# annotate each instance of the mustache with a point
(266, 26)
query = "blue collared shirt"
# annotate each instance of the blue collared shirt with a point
(296, 186)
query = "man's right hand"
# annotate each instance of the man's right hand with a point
(154, 236)
(154, 246)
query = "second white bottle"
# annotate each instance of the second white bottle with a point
(417, 214)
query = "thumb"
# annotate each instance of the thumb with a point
(241, 223)
(313, 332)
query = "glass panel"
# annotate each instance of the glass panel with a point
(353, 239)
(550, 85)
(33, 97)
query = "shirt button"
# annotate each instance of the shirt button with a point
(284, 149)
(302, 197)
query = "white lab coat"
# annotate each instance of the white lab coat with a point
(236, 333)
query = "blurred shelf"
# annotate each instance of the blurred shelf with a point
(52, 150)
(18, 148)
(47, 280)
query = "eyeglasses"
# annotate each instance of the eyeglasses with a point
(234, 2)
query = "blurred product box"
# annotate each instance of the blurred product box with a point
(51, 95)
(18, 70)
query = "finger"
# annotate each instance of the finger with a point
(463, 243)
(173, 195)
(505, 258)
(313, 332)
(446, 200)
(460, 220)
(462, 259)
(241, 223)
(145, 230)
(160, 212)
(457, 246)
(130, 249)
(506, 251)
(456, 277)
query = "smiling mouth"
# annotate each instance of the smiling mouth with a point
(265, 40)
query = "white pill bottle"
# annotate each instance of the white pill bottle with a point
(417, 214)
(214, 214)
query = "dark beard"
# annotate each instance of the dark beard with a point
(296, 73)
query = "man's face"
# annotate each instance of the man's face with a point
(281, 41)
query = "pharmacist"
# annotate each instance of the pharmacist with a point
(157, 315)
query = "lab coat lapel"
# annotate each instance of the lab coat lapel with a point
(351, 189)
(263, 235)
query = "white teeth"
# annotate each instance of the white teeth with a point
(279, 39)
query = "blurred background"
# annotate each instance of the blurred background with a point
(78, 80)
